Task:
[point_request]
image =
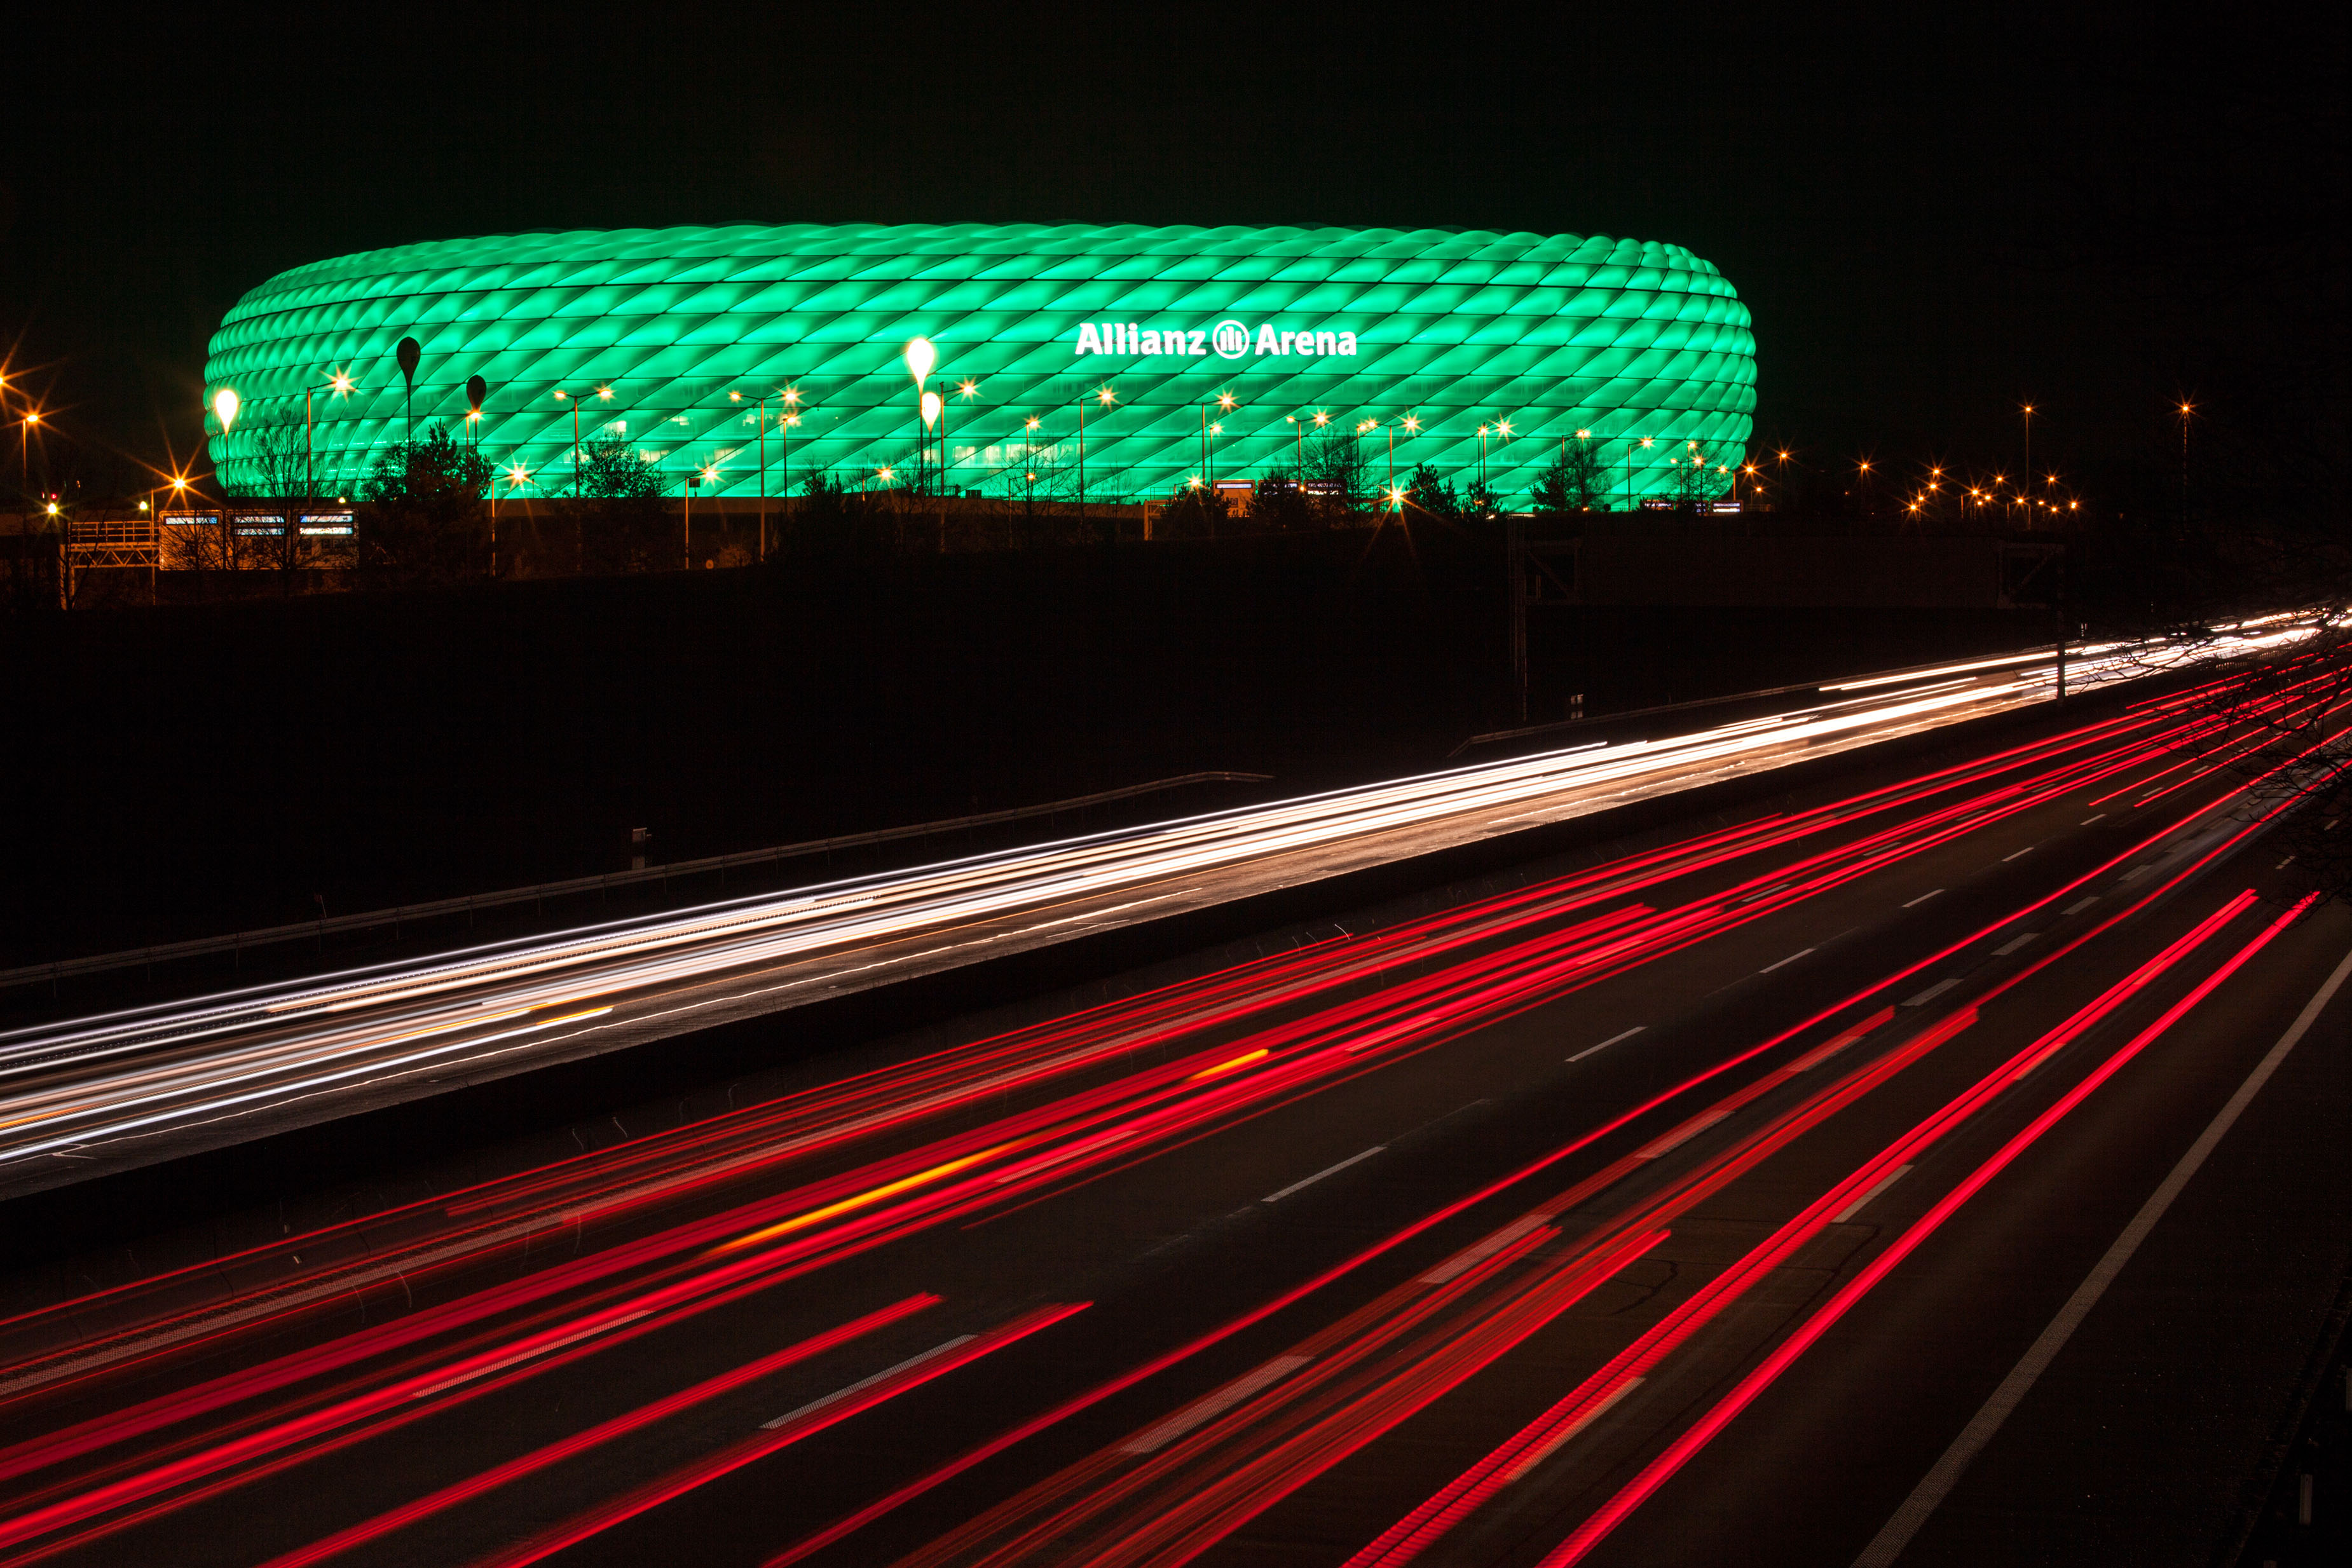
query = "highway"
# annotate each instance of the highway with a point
(91, 1096)
(1717, 1200)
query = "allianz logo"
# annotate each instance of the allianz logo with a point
(1228, 339)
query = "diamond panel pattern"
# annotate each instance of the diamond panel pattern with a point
(672, 336)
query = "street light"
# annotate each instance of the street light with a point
(1105, 398)
(708, 474)
(603, 393)
(516, 474)
(343, 383)
(1631, 504)
(2028, 409)
(25, 449)
(934, 409)
(1208, 456)
(2187, 409)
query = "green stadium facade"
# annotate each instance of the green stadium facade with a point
(693, 344)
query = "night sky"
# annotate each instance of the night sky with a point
(1932, 216)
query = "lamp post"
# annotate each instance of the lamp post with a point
(1106, 399)
(2187, 409)
(478, 392)
(341, 383)
(410, 353)
(706, 475)
(2028, 410)
(25, 450)
(921, 356)
(1226, 403)
(967, 389)
(1631, 505)
(1029, 468)
(760, 418)
(605, 394)
(516, 474)
(934, 409)
(784, 422)
(1411, 424)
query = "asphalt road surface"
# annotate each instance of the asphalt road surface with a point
(91, 1096)
(1939, 1169)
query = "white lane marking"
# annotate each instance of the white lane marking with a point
(2005, 949)
(1606, 1044)
(1922, 899)
(1114, 909)
(865, 1383)
(1679, 1136)
(1859, 1204)
(2100, 818)
(1932, 992)
(2139, 871)
(501, 1364)
(1790, 959)
(1318, 1175)
(1213, 1403)
(1938, 1483)
(2080, 905)
(2026, 850)
(1822, 1052)
(1479, 1250)
(1550, 1446)
(2285, 864)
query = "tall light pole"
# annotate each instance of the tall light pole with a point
(934, 410)
(784, 422)
(341, 383)
(762, 417)
(920, 357)
(708, 474)
(25, 450)
(1226, 403)
(516, 474)
(966, 388)
(603, 394)
(2187, 409)
(410, 352)
(2028, 409)
(1411, 423)
(567, 397)
(1106, 399)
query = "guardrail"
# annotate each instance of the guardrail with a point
(1560, 726)
(304, 930)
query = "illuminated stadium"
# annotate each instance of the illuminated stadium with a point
(1192, 353)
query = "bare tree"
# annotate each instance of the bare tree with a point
(1335, 477)
(278, 461)
(1575, 482)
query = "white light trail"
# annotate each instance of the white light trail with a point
(85, 1082)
